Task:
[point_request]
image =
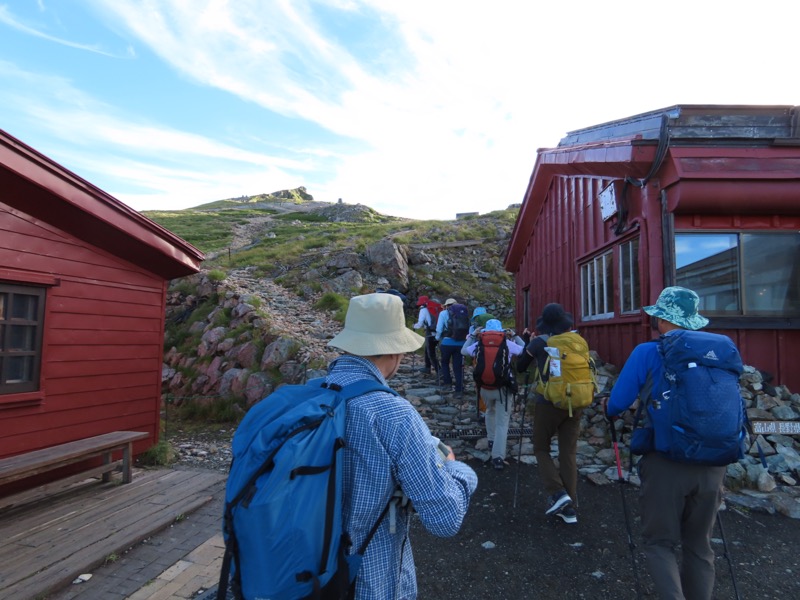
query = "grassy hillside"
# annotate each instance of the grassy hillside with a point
(287, 246)
(208, 230)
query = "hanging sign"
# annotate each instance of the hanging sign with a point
(608, 201)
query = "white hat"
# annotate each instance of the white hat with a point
(375, 325)
(450, 301)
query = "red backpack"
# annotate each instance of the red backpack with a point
(434, 308)
(492, 365)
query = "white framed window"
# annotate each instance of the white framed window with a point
(629, 290)
(597, 287)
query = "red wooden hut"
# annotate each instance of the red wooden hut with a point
(707, 197)
(83, 281)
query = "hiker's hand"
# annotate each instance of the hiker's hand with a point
(604, 404)
(450, 454)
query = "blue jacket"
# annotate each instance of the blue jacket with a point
(643, 376)
(441, 325)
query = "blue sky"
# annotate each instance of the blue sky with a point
(419, 109)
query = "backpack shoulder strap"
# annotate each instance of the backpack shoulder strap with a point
(365, 386)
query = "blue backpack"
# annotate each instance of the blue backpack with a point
(283, 498)
(457, 326)
(700, 417)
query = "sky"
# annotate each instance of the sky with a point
(418, 109)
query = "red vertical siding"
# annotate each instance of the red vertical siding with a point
(746, 189)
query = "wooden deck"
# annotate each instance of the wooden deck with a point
(47, 544)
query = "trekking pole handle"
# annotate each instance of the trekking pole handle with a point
(613, 431)
(598, 398)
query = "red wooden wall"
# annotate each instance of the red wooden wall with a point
(570, 229)
(102, 344)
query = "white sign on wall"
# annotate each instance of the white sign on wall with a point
(608, 201)
(781, 427)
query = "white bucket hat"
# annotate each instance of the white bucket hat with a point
(375, 325)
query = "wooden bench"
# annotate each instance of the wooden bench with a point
(33, 463)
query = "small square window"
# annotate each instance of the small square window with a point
(21, 325)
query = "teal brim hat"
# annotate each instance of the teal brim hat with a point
(678, 305)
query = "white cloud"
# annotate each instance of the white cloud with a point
(432, 108)
(6, 18)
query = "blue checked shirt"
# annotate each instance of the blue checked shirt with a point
(389, 445)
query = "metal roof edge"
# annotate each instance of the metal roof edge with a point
(72, 189)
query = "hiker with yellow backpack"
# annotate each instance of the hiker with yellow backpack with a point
(563, 376)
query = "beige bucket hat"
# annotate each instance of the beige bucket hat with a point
(375, 325)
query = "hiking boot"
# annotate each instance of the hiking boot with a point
(556, 501)
(567, 513)
(498, 464)
(458, 395)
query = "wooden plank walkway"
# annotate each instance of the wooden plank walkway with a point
(47, 544)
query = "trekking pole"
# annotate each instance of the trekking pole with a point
(727, 555)
(438, 355)
(521, 427)
(621, 481)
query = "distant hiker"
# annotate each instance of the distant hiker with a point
(451, 332)
(679, 497)
(478, 320)
(494, 377)
(387, 444)
(393, 292)
(429, 310)
(561, 484)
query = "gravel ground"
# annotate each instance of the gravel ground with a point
(505, 552)
(509, 549)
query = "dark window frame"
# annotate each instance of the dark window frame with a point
(630, 295)
(743, 310)
(526, 308)
(8, 323)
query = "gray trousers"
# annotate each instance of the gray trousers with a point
(679, 503)
(499, 404)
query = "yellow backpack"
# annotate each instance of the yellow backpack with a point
(570, 383)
